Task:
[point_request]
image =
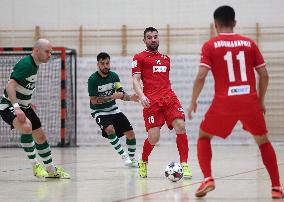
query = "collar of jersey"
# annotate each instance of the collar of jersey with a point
(148, 51)
(97, 72)
(224, 33)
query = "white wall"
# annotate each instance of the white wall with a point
(134, 13)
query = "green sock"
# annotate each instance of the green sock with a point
(131, 144)
(28, 145)
(114, 141)
(45, 153)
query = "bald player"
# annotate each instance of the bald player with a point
(17, 110)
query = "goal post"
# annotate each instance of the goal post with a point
(54, 96)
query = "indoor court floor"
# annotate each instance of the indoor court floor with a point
(98, 174)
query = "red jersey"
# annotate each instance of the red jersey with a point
(232, 59)
(154, 69)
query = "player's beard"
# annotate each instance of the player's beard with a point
(153, 47)
(105, 71)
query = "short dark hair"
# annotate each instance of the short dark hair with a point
(225, 15)
(149, 29)
(102, 56)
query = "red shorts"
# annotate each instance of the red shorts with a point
(161, 111)
(223, 115)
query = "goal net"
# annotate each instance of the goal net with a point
(54, 96)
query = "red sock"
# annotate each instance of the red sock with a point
(204, 154)
(182, 145)
(147, 149)
(269, 160)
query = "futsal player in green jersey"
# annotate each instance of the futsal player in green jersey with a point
(16, 109)
(104, 88)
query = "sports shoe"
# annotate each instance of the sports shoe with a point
(134, 163)
(206, 186)
(58, 173)
(142, 168)
(39, 171)
(126, 159)
(277, 193)
(186, 171)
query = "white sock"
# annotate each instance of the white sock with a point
(50, 168)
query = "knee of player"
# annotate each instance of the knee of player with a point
(40, 139)
(261, 139)
(154, 140)
(180, 129)
(130, 134)
(179, 126)
(110, 129)
(204, 135)
(27, 128)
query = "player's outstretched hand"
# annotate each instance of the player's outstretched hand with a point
(134, 97)
(144, 101)
(192, 108)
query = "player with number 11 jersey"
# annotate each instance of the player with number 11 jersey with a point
(232, 59)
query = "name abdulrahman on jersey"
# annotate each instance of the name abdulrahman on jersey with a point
(232, 44)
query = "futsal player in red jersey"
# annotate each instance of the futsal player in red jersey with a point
(158, 99)
(233, 59)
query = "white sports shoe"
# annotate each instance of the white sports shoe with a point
(134, 163)
(126, 159)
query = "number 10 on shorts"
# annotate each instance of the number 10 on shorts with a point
(151, 119)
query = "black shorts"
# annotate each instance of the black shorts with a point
(8, 115)
(119, 121)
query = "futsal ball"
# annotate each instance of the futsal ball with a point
(174, 171)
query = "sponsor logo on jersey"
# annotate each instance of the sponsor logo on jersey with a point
(239, 90)
(105, 87)
(180, 109)
(30, 86)
(158, 62)
(32, 78)
(159, 68)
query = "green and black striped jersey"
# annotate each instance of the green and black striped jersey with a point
(99, 86)
(25, 73)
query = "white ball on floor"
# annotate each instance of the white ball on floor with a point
(174, 171)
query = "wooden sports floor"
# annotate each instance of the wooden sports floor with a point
(98, 174)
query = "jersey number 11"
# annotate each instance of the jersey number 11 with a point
(241, 58)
